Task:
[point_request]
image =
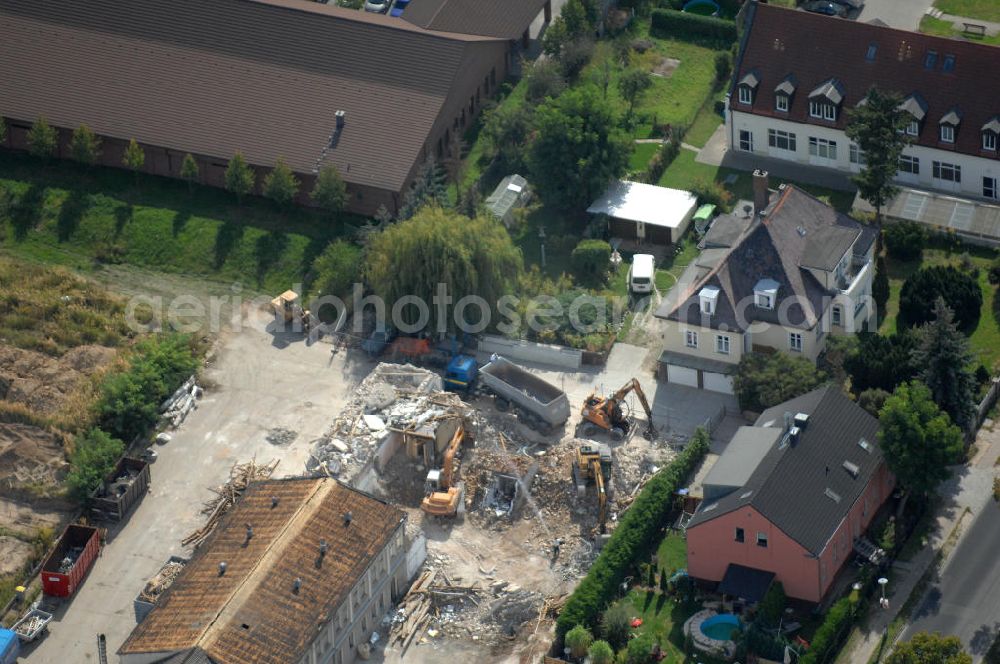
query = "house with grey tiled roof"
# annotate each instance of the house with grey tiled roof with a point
(791, 498)
(782, 274)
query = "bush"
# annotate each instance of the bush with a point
(616, 626)
(882, 362)
(575, 56)
(659, 162)
(905, 240)
(766, 379)
(600, 652)
(336, 270)
(129, 401)
(982, 375)
(994, 274)
(873, 399)
(94, 456)
(639, 649)
(693, 27)
(723, 66)
(961, 292)
(773, 604)
(709, 191)
(544, 79)
(578, 641)
(638, 531)
(591, 260)
(831, 633)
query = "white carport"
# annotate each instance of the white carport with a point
(646, 212)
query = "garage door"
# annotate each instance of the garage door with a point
(682, 375)
(717, 382)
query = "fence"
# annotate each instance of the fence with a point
(985, 406)
(527, 351)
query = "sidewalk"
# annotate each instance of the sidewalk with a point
(970, 488)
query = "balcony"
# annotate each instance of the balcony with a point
(857, 274)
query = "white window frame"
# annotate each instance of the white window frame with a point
(764, 300)
(837, 315)
(722, 344)
(745, 93)
(781, 103)
(990, 187)
(795, 341)
(775, 138)
(747, 145)
(856, 154)
(823, 148)
(989, 141)
(913, 128)
(947, 133)
(691, 338)
(939, 168)
(761, 540)
(912, 163)
(822, 110)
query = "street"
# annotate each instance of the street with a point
(965, 600)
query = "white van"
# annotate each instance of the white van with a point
(640, 275)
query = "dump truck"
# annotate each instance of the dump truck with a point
(70, 560)
(539, 404)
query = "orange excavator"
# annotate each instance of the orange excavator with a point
(613, 415)
(444, 494)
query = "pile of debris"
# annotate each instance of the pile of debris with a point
(392, 399)
(183, 401)
(227, 495)
(633, 465)
(72, 554)
(163, 580)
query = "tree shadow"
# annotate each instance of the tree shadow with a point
(268, 251)
(181, 218)
(26, 212)
(226, 239)
(649, 600)
(313, 249)
(661, 600)
(123, 217)
(70, 212)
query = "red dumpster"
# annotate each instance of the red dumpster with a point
(68, 563)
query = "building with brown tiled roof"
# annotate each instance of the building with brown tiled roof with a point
(300, 571)
(488, 18)
(800, 73)
(313, 83)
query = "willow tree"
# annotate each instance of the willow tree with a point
(435, 246)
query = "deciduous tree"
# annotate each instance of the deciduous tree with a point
(925, 648)
(766, 379)
(84, 145)
(961, 292)
(505, 130)
(878, 127)
(281, 185)
(240, 177)
(134, 157)
(632, 85)
(95, 454)
(918, 440)
(945, 363)
(905, 240)
(337, 269)
(329, 192)
(189, 171)
(578, 147)
(42, 139)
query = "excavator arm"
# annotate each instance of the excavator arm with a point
(448, 468)
(602, 496)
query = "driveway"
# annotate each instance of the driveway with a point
(255, 383)
(903, 14)
(965, 600)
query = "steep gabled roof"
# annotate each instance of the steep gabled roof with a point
(806, 488)
(252, 612)
(491, 18)
(797, 231)
(212, 77)
(818, 50)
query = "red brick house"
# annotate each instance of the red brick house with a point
(790, 496)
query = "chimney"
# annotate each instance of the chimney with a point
(341, 118)
(761, 195)
(347, 518)
(222, 568)
(297, 586)
(274, 502)
(322, 548)
(249, 532)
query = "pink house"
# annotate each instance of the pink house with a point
(790, 496)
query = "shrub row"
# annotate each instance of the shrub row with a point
(693, 27)
(828, 638)
(638, 531)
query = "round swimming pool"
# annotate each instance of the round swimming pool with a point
(721, 627)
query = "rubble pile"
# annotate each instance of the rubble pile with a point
(634, 464)
(174, 410)
(66, 564)
(163, 580)
(281, 436)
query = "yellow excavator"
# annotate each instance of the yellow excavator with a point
(593, 464)
(444, 494)
(612, 413)
(286, 310)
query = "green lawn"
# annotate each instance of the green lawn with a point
(685, 173)
(987, 10)
(985, 340)
(942, 28)
(672, 552)
(65, 215)
(704, 125)
(641, 155)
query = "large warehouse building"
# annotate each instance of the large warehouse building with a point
(315, 84)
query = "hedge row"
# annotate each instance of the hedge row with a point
(828, 638)
(638, 531)
(693, 27)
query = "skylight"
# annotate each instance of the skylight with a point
(746, 495)
(832, 495)
(872, 50)
(865, 445)
(852, 468)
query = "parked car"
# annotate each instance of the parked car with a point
(825, 7)
(377, 6)
(851, 4)
(399, 8)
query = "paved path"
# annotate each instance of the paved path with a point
(992, 28)
(904, 14)
(970, 487)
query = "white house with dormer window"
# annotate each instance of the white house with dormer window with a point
(793, 91)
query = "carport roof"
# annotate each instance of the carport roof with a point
(746, 583)
(645, 203)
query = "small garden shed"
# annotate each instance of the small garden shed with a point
(645, 212)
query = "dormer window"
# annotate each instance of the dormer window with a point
(990, 132)
(783, 94)
(824, 100)
(948, 125)
(913, 128)
(870, 53)
(747, 87)
(948, 64)
(989, 140)
(708, 297)
(930, 59)
(781, 103)
(947, 134)
(765, 293)
(818, 109)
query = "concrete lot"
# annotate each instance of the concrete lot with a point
(260, 382)
(902, 14)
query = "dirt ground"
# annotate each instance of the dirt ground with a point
(44, 383)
